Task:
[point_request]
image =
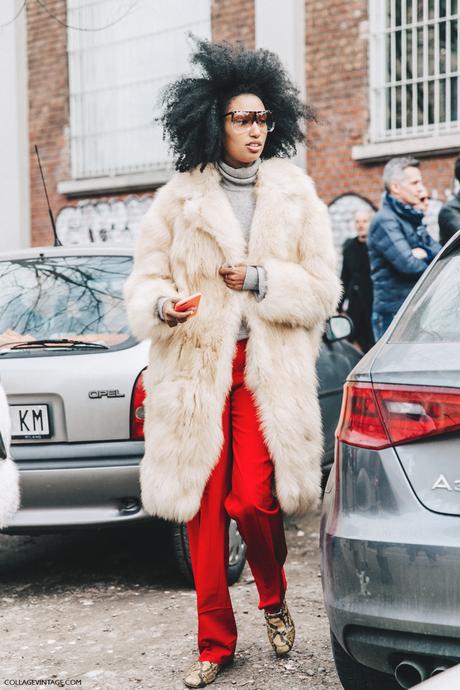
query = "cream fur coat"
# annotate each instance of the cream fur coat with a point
(10, 494)
(187, 234)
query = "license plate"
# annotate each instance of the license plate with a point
(30, 421)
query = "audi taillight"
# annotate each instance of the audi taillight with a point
(137, 409)
(381, 415)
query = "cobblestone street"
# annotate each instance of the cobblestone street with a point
(102, 608)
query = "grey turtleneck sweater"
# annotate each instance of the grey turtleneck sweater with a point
(238, 184)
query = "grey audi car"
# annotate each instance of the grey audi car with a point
(73, 376)
(390, 527)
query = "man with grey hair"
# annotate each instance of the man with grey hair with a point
(400, 247)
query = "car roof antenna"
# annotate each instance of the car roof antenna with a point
(57, 241)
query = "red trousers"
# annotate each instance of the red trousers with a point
(239, 487)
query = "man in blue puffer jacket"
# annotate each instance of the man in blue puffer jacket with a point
(400, 247)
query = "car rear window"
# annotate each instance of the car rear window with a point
(433, 315)
(75, 297)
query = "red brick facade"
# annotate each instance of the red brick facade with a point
(48, 112)
(337, 85)
(233, 21)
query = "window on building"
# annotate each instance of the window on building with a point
(414, 68)
(115, 76)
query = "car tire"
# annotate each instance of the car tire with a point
(324, 479)
(181, 548)
(356, 676)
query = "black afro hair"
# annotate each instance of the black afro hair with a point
(193, 107)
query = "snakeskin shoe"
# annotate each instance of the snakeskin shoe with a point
(280, 630)
(202, 673)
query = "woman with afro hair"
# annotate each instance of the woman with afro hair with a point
(232, 421)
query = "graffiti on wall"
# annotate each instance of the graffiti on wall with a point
(117, 222)
(102, 222)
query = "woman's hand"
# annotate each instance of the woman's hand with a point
(233, 276)
(173, 317)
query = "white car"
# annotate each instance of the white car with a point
(73, 376)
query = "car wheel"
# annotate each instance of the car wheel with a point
(355, 676)
(236, 556)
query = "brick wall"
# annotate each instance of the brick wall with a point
(233, 21)
(48, 112)
(337, 85)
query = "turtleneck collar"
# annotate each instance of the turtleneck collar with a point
(245, 175)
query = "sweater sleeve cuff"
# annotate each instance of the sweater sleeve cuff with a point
(260, 294)
(159, 306)
(251, 280)
(255, 280)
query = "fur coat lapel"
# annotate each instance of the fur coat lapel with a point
(187, 234)
(207, 206)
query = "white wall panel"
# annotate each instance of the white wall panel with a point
(116, 75)
(14, 168)
(280, 27)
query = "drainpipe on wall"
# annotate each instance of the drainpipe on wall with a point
(280, 27)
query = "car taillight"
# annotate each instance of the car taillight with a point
(381, 415)
(360, 423)
(137, 409)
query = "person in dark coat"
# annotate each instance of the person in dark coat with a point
(400, 247)
(357, 283)
(449, 215)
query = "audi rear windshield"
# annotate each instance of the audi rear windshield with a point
(433, 314)
(63, 297)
